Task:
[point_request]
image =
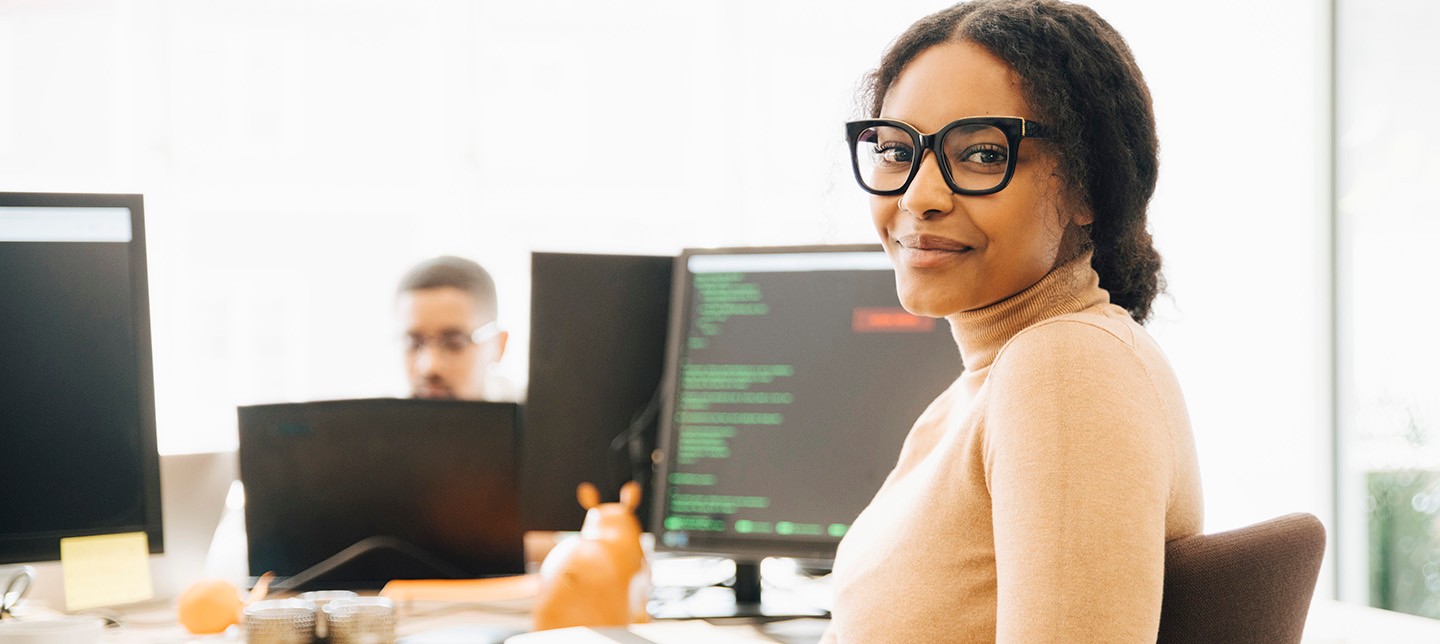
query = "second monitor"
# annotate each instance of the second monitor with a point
(597, 347)
(792, 378)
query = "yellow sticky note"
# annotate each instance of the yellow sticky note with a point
(106, 570)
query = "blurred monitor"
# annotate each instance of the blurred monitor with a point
(77, 406)
(791, 380)
(597, 348)
(355, 493)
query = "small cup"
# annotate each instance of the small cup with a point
(320, 598)
(362, 620)
(280, 621)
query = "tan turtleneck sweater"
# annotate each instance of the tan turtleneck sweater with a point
(1033, 499)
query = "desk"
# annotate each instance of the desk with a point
(436, 623)
(155, 622)
(506, 610)
(1330, 622)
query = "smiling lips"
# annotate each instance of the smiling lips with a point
(927, 251)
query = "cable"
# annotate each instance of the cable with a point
(637, 460)
(361, 547)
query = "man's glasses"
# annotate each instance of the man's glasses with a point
(451, 343)
(976, 154)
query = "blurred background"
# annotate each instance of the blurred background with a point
(297, 156)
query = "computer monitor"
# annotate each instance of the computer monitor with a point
(791, 379)
(597, 349)
(358, 492)
(77, 406)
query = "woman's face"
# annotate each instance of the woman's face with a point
(951, 252)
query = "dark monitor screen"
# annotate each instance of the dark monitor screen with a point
(77, 410)
(597, 349)
(792, 378)
(405, 488)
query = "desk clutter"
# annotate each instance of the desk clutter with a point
(594, 583)
(452, 611)
(599, 577)
(343, 620)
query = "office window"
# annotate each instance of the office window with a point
(1388, 168)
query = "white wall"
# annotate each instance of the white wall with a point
(1240, 216)
(297, 156)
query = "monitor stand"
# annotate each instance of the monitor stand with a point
(742, 602)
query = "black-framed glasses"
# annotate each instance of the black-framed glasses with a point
(976, 154)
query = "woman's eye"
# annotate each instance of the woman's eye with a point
(893, 154)
(984, 155)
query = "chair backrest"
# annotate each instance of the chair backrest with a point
(1253, 584)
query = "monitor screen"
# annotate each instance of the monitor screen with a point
(597, 349)
(792, 378)
(358, 492)
(77, 411)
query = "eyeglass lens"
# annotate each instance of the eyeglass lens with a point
(451, 343)
(977, 156)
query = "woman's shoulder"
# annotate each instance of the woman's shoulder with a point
(1090, 370)
(1098, 331)
(1093, 354)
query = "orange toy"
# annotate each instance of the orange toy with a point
(210, 606)
(599, 578)
(213, 605)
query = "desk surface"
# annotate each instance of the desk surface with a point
(446, 621)
(1330, 622)
(439, 623)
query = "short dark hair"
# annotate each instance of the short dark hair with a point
(454, 272)
(1080, 77)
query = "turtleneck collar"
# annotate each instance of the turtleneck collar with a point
(1071, 287)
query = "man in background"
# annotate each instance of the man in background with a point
(447, 306)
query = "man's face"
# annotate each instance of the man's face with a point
(444, 358)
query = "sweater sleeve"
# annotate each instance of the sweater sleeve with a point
(1079, 465)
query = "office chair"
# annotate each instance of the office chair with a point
(1253, 584)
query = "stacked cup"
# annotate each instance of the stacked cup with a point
(280, 621)
(343, 618)
(361, 620)
(320, 598)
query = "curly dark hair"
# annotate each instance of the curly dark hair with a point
(1080, 77)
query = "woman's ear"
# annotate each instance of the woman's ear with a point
(1074, 240)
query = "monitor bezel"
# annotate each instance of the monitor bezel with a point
(19, 549)
(749, 549)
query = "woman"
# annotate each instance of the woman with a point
(1011, 154)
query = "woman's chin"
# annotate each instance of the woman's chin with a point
(927, 304)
